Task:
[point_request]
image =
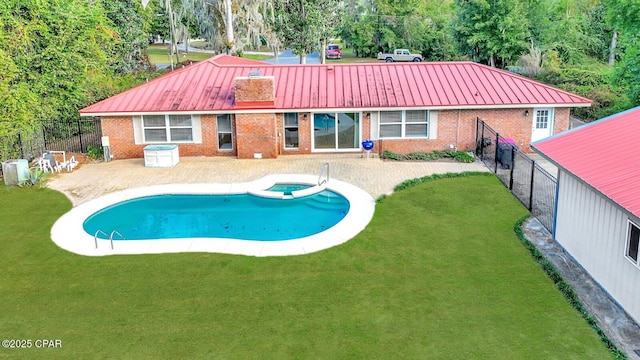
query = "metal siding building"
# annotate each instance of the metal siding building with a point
(598, 187)
(593, 230)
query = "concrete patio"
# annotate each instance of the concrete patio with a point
(373, 175)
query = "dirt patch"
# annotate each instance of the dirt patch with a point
(81, 158)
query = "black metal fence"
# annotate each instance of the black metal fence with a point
(527, 180)
(65, 135)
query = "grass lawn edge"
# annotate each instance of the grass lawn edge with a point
(566, 289)
(546, 265)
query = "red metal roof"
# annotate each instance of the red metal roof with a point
(208, 86)
(605, 154)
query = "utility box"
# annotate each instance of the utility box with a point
(15, 171)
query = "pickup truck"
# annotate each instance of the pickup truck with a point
(400, 55)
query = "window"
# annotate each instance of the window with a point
(291, 139)
(180, 128)
(167, 128)
(633, 240)
(542, 119)
(225, 139)
(404, 124)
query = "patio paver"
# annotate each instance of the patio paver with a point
(375, 176)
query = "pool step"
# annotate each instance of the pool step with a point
(327, 201)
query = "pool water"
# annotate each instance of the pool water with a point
(288, 188)
(242, 216)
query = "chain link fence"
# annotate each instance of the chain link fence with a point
(531, 184)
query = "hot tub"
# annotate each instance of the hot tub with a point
(161, 156)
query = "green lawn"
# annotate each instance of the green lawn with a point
(438, 274)
(159, 54)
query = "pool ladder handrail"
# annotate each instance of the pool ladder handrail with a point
(117, 233)
(324, 180)
(95, 236)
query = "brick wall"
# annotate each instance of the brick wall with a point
(457, 128)
(304, 135)
(256, 133)
(119, 129)
(263, 133)
(254, 91)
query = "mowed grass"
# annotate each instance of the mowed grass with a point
(437, 274)
(159, 54)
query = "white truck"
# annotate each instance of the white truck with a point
(400, 55)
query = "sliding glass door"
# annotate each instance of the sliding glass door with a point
(336, 131)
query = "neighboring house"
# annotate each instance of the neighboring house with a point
(598, 201)
(238, 107)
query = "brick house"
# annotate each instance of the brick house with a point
(228, 106)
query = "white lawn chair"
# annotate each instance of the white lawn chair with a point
(44, 163)
(71, 163)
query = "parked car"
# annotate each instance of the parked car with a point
(400, 55)
(333, 51)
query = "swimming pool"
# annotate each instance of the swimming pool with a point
(238, 216)
(69, 232)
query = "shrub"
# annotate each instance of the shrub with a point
(460, 156)
(35, 177)
(94, 152)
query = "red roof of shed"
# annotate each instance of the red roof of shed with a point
(605, 154)
(208, 86)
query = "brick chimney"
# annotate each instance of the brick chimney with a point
(255, 91)
(256, 133)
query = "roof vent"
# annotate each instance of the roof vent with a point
(254, 73)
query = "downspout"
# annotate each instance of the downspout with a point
(555, 210)
(458, 131)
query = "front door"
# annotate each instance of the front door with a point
(542, 124)
(336, 131)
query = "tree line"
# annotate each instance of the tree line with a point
(589, 47)
(58, 56)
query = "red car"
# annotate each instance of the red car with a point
(333, 51)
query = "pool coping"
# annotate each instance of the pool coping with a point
(68, 233)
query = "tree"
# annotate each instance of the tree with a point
(624, 15)
(132, 24)
(494, 32)
(232, 25)
(304, 24)
(55, 60)
(574, 29)
(382, 25)
(17, 101)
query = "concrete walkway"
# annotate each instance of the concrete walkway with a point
(372, 175)
(612, 319)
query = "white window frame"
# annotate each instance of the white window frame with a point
(403, 125)
(230, 132)
(547, 119)
(633, 240)
(167, 127)
(139, 136)
(285, 127)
